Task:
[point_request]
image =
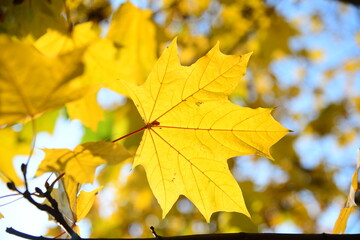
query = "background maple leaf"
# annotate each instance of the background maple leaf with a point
(23, 94)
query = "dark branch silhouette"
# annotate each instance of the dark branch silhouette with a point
(218, 236)
(52, 210)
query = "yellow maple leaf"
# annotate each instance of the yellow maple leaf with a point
(9, 147)
(81, 162)
(74, 204)
(191, 129)
(341, 222)
(54, 43)
(133, 31)
(31, 83)
(128, 52)
(87, 110)
(28, 20)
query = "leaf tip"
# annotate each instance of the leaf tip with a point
(247, 55)
(217, 45)
(173, 43)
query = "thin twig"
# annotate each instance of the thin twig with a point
(12, 201)
(154, 232)
(33, 142)
(68, 17)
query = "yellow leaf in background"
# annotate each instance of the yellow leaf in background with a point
(31, 83)
(81, 162)
(192, 129)
(133, 32)
(13, 143)
(127, 53)
(44, 123)
(316, 55)
(352, 65)
(101, 66)
(356, 101)
(29, 19)
(66, 196)
(357, 38)
(73, 203)
(10, 146)
(84, 203)
(316, 24)
(1, 216)
(87, 110)
(54, 42)
(341, 222)
(99, 58)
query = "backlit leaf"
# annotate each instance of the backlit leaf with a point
(30, 19)
(133, 32)
(73, 203)
(87, 110)
(192, 129)
(54, 43)
(10, 146)
(41, 83)
(81, 162)
(341, 222)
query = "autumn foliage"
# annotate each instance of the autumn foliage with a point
(178, 116)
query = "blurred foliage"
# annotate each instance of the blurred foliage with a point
(305, 63)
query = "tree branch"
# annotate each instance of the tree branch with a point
(52, 210)
(219, 236)
(356, 3)
(251, 236)
(24, 235)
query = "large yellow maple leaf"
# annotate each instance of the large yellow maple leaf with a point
(192, 129)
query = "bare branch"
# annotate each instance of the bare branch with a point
(221, 236)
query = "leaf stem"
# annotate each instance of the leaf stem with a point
(129, 134)
(68, 17)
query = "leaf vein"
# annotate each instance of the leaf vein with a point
(184, 100)
(198, 169)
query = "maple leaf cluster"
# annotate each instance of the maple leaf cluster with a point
(176, 103)
(190, 128)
